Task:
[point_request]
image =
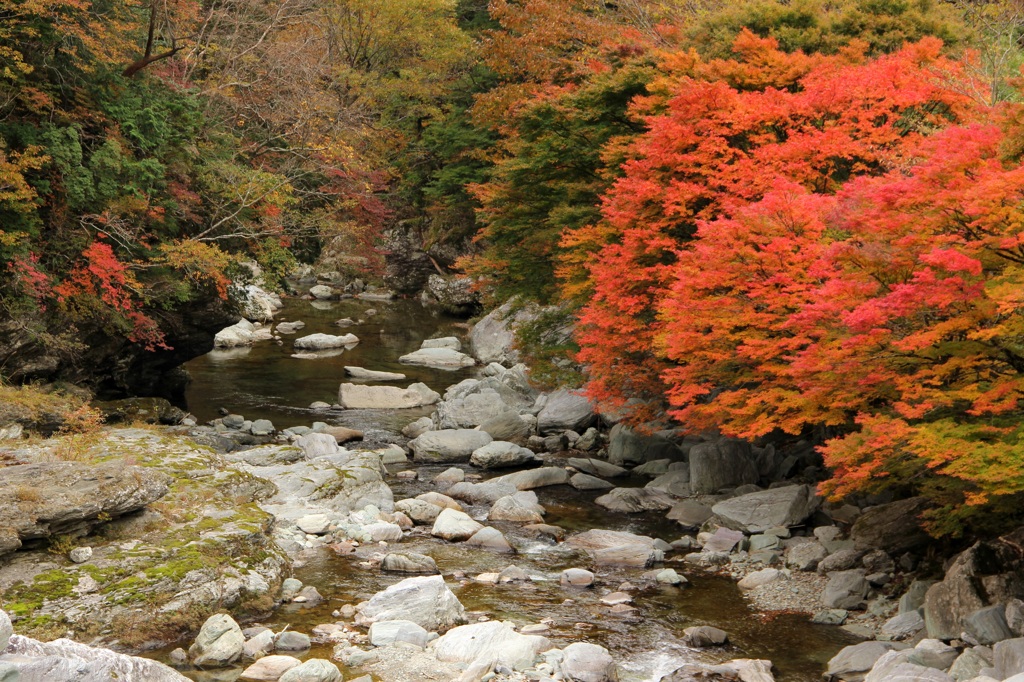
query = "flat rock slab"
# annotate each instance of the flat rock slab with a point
(363, 397)
(63, 659)
(494, 641)
(534, 478)
(56, 498)
(325, 341)
(426, 601)
(633, 500)
(444, 358)
(596, 467)
(448, 446)
(372, 375)
(760, 511)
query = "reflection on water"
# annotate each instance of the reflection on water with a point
(266, 382)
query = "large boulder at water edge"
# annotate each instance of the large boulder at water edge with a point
(501, 454)
(362, 397)
(63, 659)
(325, 341)
(219, 643)
(725, 463)
(454, 445)
(626, 446)
(565, 410)
(492, 641)
(444, 358)
(893, 527)
(426, 601)
(775, 508)
(585, 662)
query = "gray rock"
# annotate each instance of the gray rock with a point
(1015, 616)
(373, 375)
(443, 342)
(324, 341)
(262, 427)
(633, 500)
(853, 663)
(70, 498)
(313, 670)
(913, 598)
(290, 640)
(690, 514)
(655, 468)
(259, 644)
(672, 482)
(479, 493)
(724, 463)
(893, 667)
(269, 668)
(218, 644)
(970, 663)
(577, 577)
(62, 660)
(426, 601)
(582, 481)
(893, 527)
(493, 641)
(723, 540)
(321, 291)
(80, 555)
(507, 425)
(702, 636)
(805, 556)
(501, 454)
(757, 512)
(988, 625)
(596, 467)
(636, 556)
(456, 445)
(1008, 657)
(534, 478)
(585, 662)
(756, 579)
(418, 427)
(845, 590)
(420, 511)
(492, 339)
(408, 562)
(6, 629)
(903, 626)
(364, 397)
(589, 440)
(489, 538)
(521, 507)
(384, 633)
(315, 445)
(454, 525)
(437, 357)
(626, 446)
(842, 560)
(565, 410)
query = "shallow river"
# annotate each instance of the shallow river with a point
(266, 382)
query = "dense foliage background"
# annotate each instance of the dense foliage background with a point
(764, 217)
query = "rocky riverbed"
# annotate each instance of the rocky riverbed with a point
(487, 532)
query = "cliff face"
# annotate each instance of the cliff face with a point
(106, 362)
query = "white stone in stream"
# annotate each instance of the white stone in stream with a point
(382, 531)
(363, 397)
(450, 445)
(577, 577)
(408, 562)
(63, 660)
(582, 481)
(450, 476)
(218, 644)
(632, 500)
(372, 374)
(444, 342)
(596, 467)
(269, 668)
(894, 666)
(481, 493)
(489, 538)
(454, 525)
(424, 600)
(314, 524)
(752, 669)
(313, 670)
(388, 632)
(440, 500)
(418, 510)
(763, 577)
(321, 291)
(852, 663)
(493, 641)
(418, 427)
(438, 357)
(534, 478)
(324, 341)
(757, 512)
(586, 662)
(522, 507)
(318, 445)
(500, 454)
(260, 644)
(239, 334)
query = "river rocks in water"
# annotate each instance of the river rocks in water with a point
(577, 577)
(737, 670)
(382, 531)
(453, 445)
(774, 508)
(765, 576)
(426, 601)
(289, 327)
(626, 446)
(269, 668)
(902, 626)
(418, 510)
(853, 663)
(260, 644)
(443, 342)
(313, 670)
(521, 507)
(596, 467)
(636, 556)
(218, 644)
(321, 292)
(702, 636)
(585, 662)
(487, 492)
(29, 660)
(324, 341)
(454, 525)
(372, 375)
(508, 425)
(387, 632)
(57, 498)
(845, 590)
(443, 501)
(494, 642)
(672, 482)
(894, 527)
(242, 333)
(489, 538)
(724, 463)
(564, 410)
(501, 454)
(689, 514)
(582, 481)
(723, 540)
(633, 500)
(534, 478)
(363, 397)
(408, 562)
(290, 640)
(442, 358)
(450, 476)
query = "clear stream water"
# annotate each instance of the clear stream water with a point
(266, 382)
